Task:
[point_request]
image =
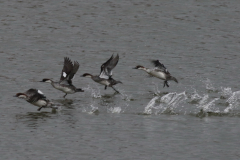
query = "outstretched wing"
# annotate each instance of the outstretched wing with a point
(107, 67)
(74, 70)
(160, 66)
(67, 68)
(34, 95)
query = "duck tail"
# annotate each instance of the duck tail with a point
(174, 79)
(113, 81)
(118, 82)
(79, 90)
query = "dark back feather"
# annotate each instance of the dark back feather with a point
(34, 95)
(160, 66)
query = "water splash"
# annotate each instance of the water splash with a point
(209, 85)
(167, 98)
(177, 99)
(225, 92)
(212, 102)
(94, 110)
(115, 109)
(156, 89)
(233, 102)
(209, 106)
(167, 104)
(234, 97)
(203, 100)
(125, 96)
(228, 109)
(195, 97)
(94, 93)
(150, 105)
(171, 101)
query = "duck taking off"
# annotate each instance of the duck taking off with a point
(36, 98)
(160, 71)
(65, 84)
(105, 76)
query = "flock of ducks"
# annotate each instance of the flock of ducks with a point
(37, 98)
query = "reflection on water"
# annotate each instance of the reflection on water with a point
(35, 115)
(65, 102)
(32, 119)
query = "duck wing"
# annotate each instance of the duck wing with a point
(34, 95)
(67, 69)
(73, 72)
(159, 66)
(107, 67)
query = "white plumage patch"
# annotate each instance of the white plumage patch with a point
(22, 96)
(40, 103)
(89, 76)
(104, 82)
(103, 75)
(64, 74)
(40, 92)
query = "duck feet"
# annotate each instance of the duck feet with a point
(40, 108)
(165, 84)
(115, 89)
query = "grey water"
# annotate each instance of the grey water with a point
(197, 118)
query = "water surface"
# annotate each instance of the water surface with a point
(198, 118)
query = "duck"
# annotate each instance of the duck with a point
(37, 98)
(105, 76)
(65, 83)
(160, 71)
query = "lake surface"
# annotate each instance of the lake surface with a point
(197, 118)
